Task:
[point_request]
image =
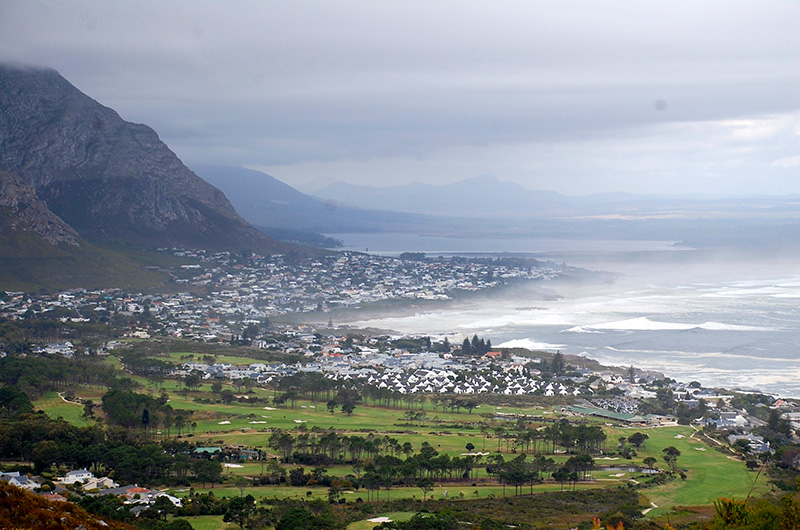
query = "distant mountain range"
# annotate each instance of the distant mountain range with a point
(490, 197)
(267, 202)
(473, 197)
(78, 183)
(73, 174)
(488, 207)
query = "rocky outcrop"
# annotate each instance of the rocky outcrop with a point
(108, 179)
(22, 211)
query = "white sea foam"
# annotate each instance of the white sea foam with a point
(705, 355)
(530, 344)
(645, 324)
(727, 331)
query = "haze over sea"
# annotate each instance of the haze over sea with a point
(727, 319)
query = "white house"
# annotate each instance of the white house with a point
(79, 475)
(16, 479)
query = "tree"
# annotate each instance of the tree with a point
(671, 455)
(207, 471)
(561, 475)
(13, 402)
(192, 381)
(348, 408)
(650, 462)
(239, 510)
(302, 519)
(337, 487)
(638, 439)
(557, 364)
(426, 485)
(241, 484)
(297, 477)
(88, 408)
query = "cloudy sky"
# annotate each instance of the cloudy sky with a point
(577, 96)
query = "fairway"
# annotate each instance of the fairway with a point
(460, 491)
(55, 407)
(208, 522)
(709, 473)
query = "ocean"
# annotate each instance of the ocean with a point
(724, 319)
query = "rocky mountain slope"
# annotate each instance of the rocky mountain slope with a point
(22, 211)
(107, 179)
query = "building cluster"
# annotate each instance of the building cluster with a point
(220, 294)
(140, 497)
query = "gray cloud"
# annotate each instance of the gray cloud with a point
(577, 97)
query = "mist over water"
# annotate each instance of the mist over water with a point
(725, 319)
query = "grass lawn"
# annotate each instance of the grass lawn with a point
(56, 407)
(710, 474)
(183, 357)
(208, 522)
(441, 491)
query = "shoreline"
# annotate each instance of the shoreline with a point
(717, 377)
(400, 307)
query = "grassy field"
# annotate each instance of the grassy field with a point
(709, 473)
(459, 491)
(208, 522)
(55, 407)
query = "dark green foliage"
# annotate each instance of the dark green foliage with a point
(671, 455)
(208, 471)
(128, 409)
(239, 510)
(35, 374)
(439, 521)
(301, 519)
(14, 402)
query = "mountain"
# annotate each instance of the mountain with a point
(39, 250)
(21, 211)
(267, 202)
(109, 180)
(474, 197)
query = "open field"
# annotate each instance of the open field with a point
(709, 474)
(55, 407)
(458, 491)
(208, 522)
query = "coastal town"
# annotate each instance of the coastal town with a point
(232, 298)
(215, 296)
(245, 316)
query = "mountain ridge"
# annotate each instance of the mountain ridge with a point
(109, 179)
